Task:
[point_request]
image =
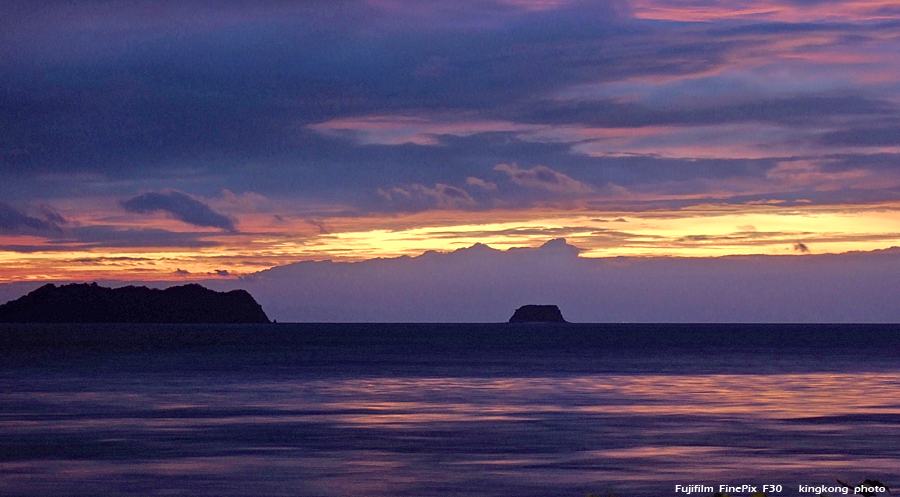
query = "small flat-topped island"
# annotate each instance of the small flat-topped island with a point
(537, 314)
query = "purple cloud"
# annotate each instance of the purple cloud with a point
(181, 206)
(481, 284)
(542, 177)
(14, 222)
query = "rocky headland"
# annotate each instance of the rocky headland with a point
(91, 303)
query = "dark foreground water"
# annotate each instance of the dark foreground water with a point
(445, 410)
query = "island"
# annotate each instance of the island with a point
(91, 303)
(537, 314)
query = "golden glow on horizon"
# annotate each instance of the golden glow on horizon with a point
(701, 231)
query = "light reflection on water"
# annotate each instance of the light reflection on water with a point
(217, 433)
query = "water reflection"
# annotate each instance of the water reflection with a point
(224, 434)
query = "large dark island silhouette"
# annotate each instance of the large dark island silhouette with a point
(91, 303)
(537, 314)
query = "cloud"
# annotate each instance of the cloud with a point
(323, 230)
(804, 109)
(102, 236)
(480, 183)
(866, 135)
(245, 202)
(83, 236)
(114, 117)
(416, 197)
(544, 178)
(524, 233)
(785, 11)
(90, 104)
(801, 247)
(181, 206)
(482, 284)
(14, 222)
(446, 196)
(418, 130)
(422, 99)
(52, 216)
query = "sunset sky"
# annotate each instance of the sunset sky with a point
(166, 140)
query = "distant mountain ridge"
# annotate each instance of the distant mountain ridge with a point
(91, 303)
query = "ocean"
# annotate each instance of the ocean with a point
(447, 409)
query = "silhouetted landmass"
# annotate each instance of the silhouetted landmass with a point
(537, 314)
(91, 303)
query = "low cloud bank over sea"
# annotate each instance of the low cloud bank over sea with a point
(482, 284)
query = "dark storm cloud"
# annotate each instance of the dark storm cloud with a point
(14, 222)
(181, 206)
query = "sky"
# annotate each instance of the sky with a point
(165, 141)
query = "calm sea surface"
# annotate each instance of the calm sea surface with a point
(445, 410)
